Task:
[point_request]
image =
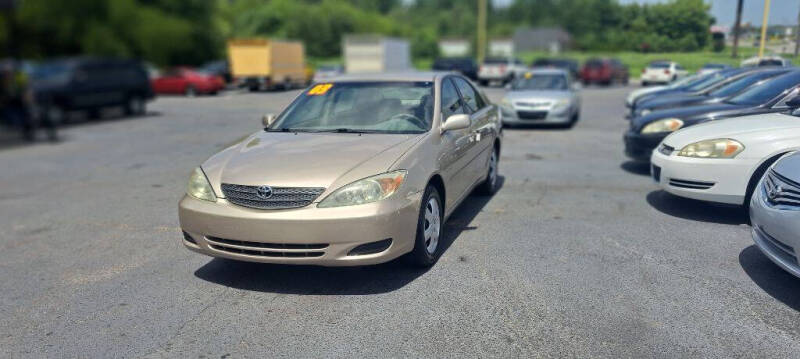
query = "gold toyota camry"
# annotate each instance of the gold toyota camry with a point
(358, 170)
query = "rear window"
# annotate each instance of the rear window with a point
(658, 65)
(594, 63)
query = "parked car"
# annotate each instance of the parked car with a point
(775, 213)
(569, 65)
(463, 65)
(90, 84)
(604, 71)
(717, 93)
(765, 61)
(711, 68)
(326, 72)
(186, 81)
(722, 161)
(648, 131)
(543, 96)
(500, 70)
(393, 156)
(662, 72)
(702, 83)
(680, 83)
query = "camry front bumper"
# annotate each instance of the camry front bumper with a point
(706, 179)
(308, 235)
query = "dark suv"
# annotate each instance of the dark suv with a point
(464, 65)
(90, 84)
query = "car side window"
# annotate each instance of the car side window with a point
(470, 96)
(451, 103)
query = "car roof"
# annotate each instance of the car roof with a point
(403, 76)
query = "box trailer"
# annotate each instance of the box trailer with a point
(371, 53)
(266, 64)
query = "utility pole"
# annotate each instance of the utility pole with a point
(481, 50)
(737, 29)
(797, 37)
(764, 29)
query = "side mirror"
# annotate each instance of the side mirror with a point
(794, 103)
(268, 119)
(456, 122)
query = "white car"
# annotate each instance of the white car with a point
(648, 90)
(775, 213)
(772, 60)
(543, 96)
(722, 161)
(662, 72)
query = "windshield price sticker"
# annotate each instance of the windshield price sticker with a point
(320, 89)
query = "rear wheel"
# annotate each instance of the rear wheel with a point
(430, 227)
(489, 185)
(135, 106)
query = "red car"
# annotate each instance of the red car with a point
(188, 82)
(604, 71)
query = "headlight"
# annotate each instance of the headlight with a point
(561, 103)
(666, 125)
(367, 190)
(645, 112)
(199, 187)
(718, 148)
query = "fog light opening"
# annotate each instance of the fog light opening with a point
(188, 238)
(371, 248)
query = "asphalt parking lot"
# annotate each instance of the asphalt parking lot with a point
(578, 255)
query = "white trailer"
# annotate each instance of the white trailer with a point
(372, 53)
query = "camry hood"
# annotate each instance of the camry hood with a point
(754, 127)
(789, 167)
(286, 159)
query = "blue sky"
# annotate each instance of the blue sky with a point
(783, 12)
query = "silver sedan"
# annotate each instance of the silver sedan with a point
(775, 213)
(542, 96)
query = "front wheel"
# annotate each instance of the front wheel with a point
(430, 227)
(135, 106)
(489, 185)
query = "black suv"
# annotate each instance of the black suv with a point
(464, 65)
(90, 84)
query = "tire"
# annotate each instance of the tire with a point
(93, 114)
(483, 83)
(489, 185)
(759, 172)
(190, 91)
(135, 106)
(428, 241)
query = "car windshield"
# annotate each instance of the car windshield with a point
(594, 63)
(379, 107)
(51, 71)
(706, 82)
(658, 65)
(763, 92)
(713, 66)
(737, 86)
(541, 82)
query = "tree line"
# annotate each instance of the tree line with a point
(171, 32)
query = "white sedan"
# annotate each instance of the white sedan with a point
(722, 161)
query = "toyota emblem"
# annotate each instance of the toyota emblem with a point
(774, 192)
(264, 192)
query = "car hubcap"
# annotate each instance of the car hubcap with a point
(432, 225)
(493, 168)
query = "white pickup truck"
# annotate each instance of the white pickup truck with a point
(501, 70)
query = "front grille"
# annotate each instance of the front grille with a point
(666, 150)
(261, 249)
(690, 184)
(782, 249)
(280, 198)
(781, 191)
(532, 104)
(532, 115)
